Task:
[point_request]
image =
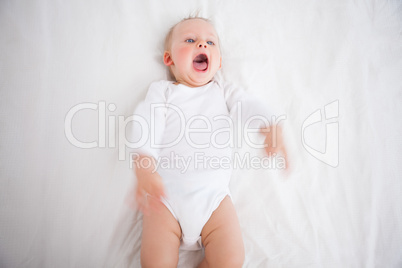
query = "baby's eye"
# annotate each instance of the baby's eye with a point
(210, 43)
(190, 40)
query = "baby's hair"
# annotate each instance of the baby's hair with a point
(170, 33)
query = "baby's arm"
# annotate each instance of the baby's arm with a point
(149, 182)
(274, 142)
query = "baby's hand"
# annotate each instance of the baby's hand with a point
(274, 143)
(150, 188)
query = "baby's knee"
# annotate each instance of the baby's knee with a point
(236, 260)
(150, 260)
(232, 259)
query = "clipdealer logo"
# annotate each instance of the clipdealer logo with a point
(107, 125)
(330, 154)
(107, 135)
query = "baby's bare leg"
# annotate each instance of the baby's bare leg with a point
(160, 239)
(222, 238)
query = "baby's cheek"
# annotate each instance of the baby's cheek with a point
(184, 54)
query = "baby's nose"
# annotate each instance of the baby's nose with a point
(202, 45)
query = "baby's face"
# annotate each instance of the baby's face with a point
(194, 55)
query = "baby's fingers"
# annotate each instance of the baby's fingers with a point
(141, 200)
(155, 200)
(147, 202)
(155, 204)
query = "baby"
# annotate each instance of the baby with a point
(191, 207)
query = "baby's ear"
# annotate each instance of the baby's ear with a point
(167, 59)
(220, 62)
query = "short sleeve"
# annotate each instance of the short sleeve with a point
(149, 120)
(246, 107)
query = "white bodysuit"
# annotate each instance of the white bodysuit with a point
(189, 133)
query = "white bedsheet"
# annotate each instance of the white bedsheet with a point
(63, 206)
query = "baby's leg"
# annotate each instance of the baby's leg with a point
(222, 238)
(160, 239)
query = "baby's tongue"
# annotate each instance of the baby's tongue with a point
(200, 66)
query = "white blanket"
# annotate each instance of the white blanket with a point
(72, 72)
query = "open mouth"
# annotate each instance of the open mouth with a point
(200, 62)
